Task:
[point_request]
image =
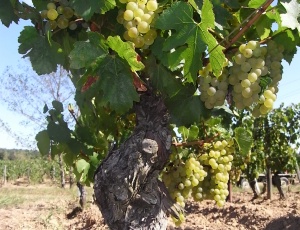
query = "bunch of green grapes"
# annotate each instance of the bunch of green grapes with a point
(213, 90)
(137, 18)
(59, 14)
(251, 63)
(202, 176)
(273, 64)
(218, 162)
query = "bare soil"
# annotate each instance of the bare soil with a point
(48, 207)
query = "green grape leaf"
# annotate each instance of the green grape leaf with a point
(126, 51)
(43, 142)
(116, 83)
(244, 140)
(185, 110)
(184, 132)
(85, 54)
(58, 106)
(256, 3)
(161, 78)
(40, 4)
(45, 109)
(289, 40)
(86, 8)
(193, 132)
(7, 14)
(263, 27)
(44, 56)
(59, 133)
(290, 18)
(194, 36)
(82, 167)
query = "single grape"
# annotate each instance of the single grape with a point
(68, 12)
(211, 91)
(73, 25)
(62, 22)
(52, 14)
(152, 5)
(128, 15)
(143, 27)
(132, 6)
(51, 5)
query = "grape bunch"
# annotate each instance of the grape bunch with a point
(241, 81)
(59, 15)
(137, 18)
(213, 90)
(200, 176)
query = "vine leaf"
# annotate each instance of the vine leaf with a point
(290, 18)
(126, 51)
(87, 8)
(244, 140)
(194, 36)
(7, 15)
(43, 142)
(116, 83)
(85, 53)
(44, 56)
(82, 167)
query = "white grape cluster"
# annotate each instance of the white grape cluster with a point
(242, 78)
(273, 59)
(213, 90)
(201, 177)
(245, 74)
(137, 18)
(219, 161)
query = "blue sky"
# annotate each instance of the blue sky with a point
(289, 90)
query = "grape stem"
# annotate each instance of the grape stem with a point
(197, 142)
(258, 13)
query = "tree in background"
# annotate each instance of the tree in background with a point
(142, 68)
(29, 91)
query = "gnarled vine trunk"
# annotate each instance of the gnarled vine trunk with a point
(126, 186)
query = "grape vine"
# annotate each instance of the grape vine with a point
(206, 59)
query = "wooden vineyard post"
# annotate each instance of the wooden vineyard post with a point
(269, 184)
(4, 175)
(229, 198)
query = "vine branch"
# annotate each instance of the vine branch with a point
(258, 13)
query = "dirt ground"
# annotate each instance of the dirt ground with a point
(57, 209)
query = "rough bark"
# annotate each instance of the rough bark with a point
(126, 186)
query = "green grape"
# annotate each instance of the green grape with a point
(247, 53)
(138, 13)
(143, 27)
(51, 5)
(62, 22)
(133, 32)
(269, 103)
(132, 6)
(268, 93)
(73, 25)
(44, 14)
(138, 41)
(52, 24)
(128, 15)
(152, 5)
(252, 77)
(245, 83)
(211, 91)
(68, 12)
(252, 45)
(60, 9)
(52, 14)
